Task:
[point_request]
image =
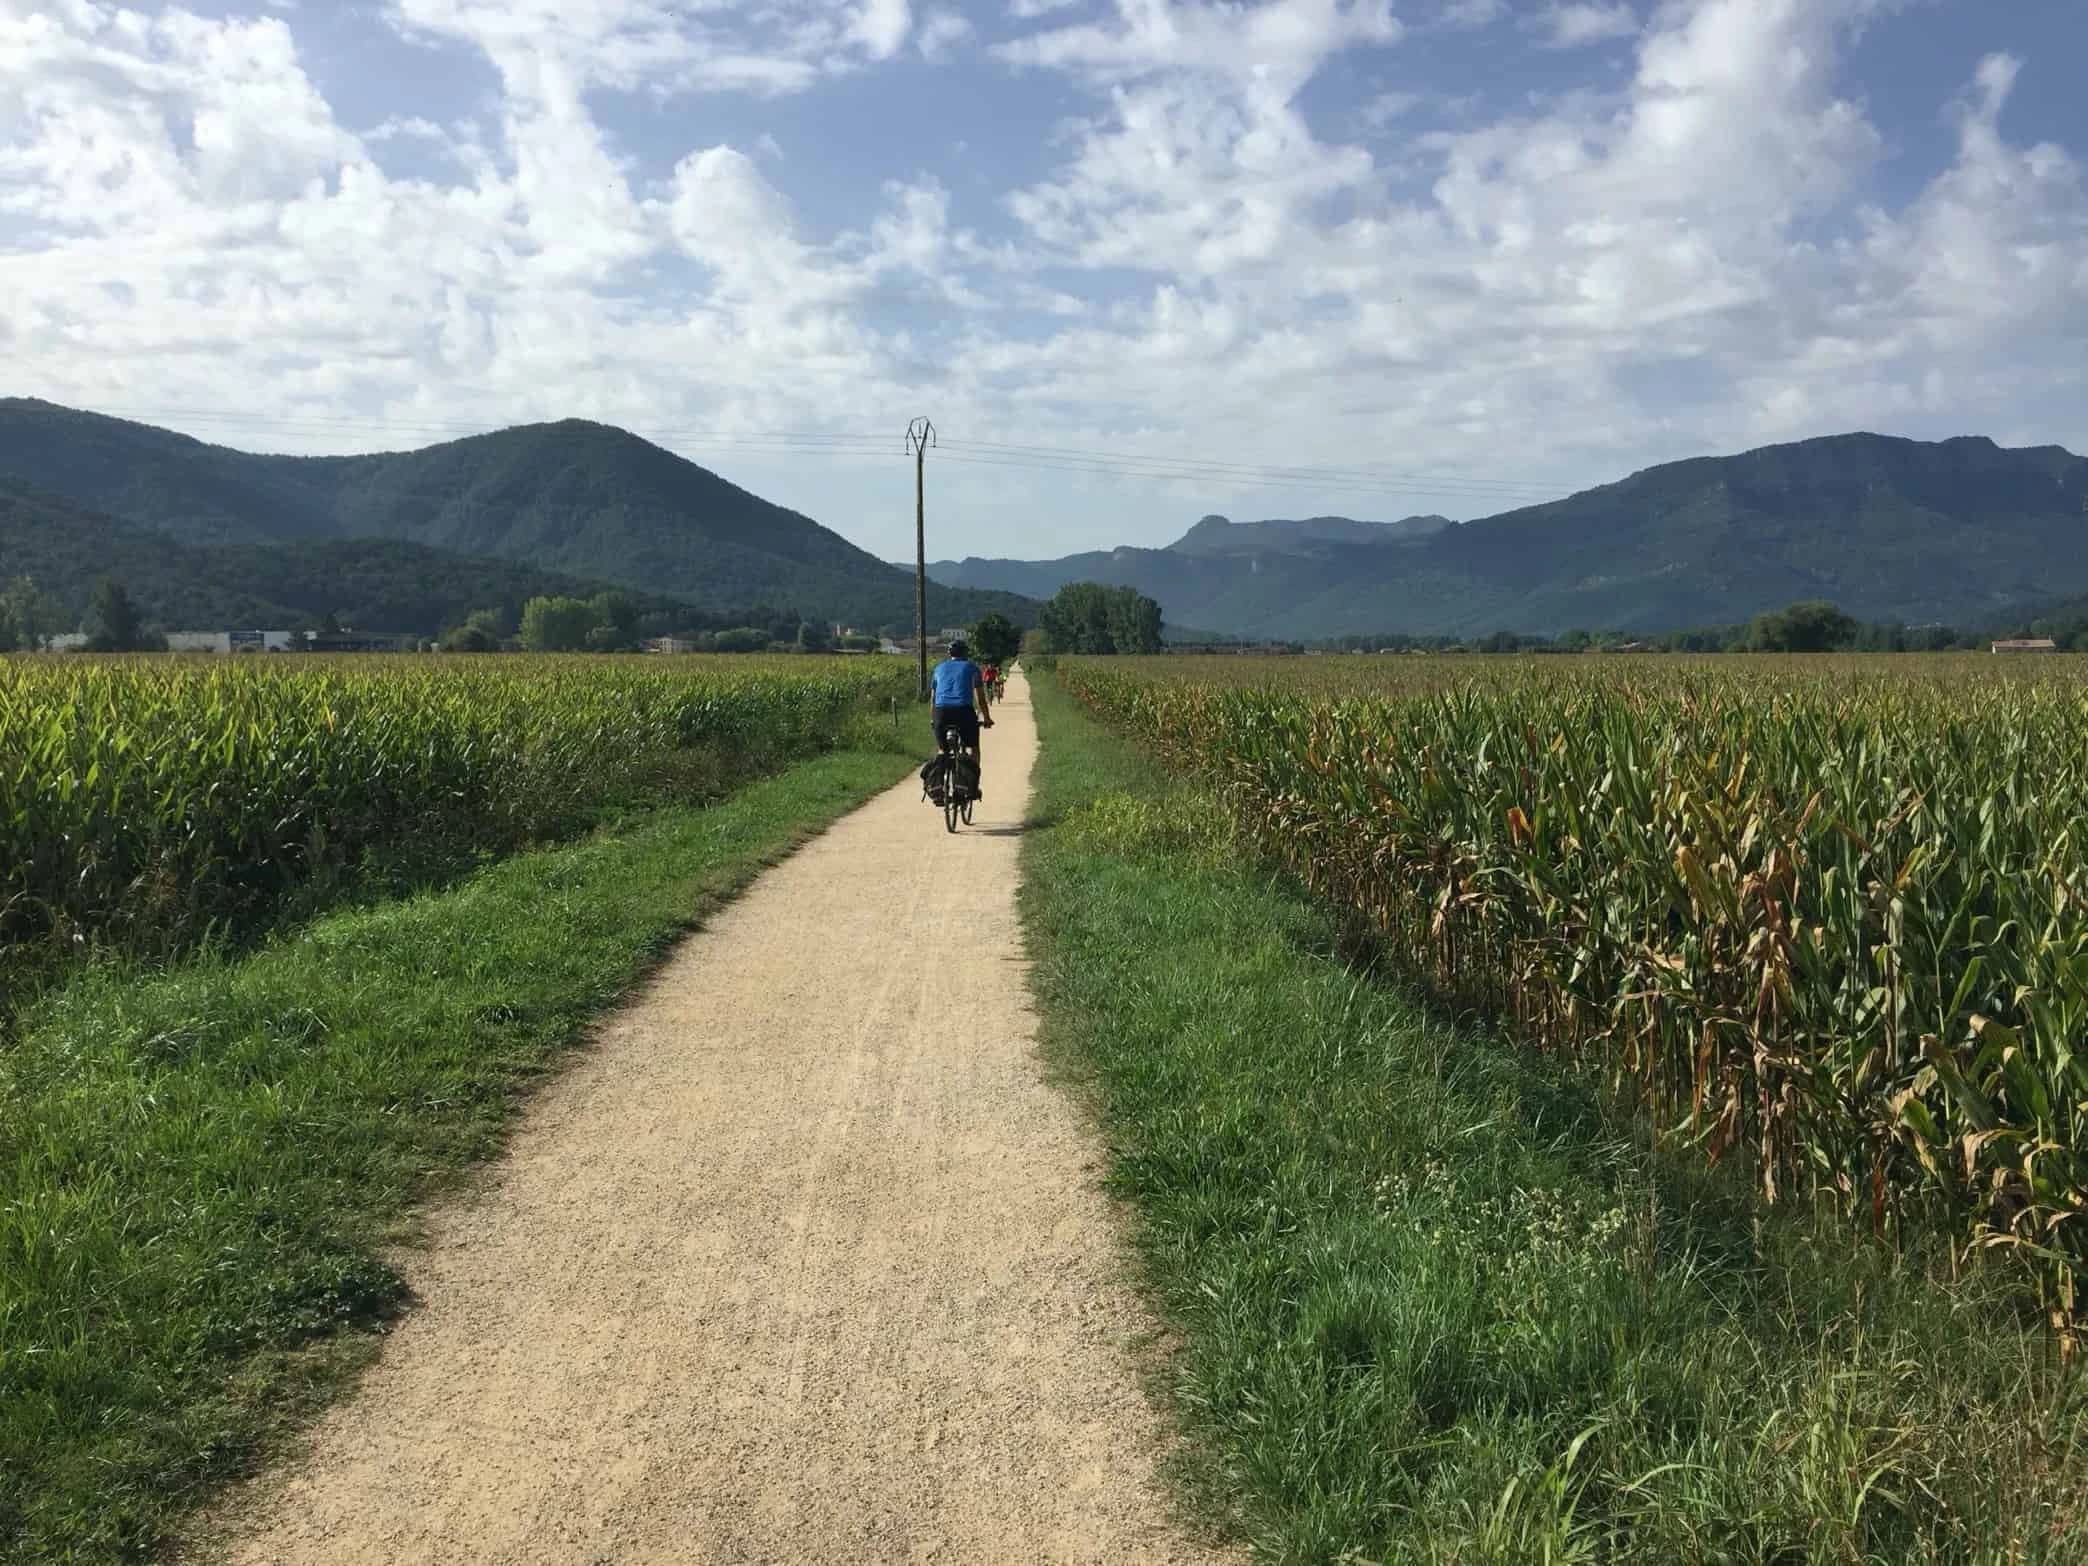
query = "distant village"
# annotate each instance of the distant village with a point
(847, 640)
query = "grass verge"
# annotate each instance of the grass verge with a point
(200, 1171)
(1436, 1305)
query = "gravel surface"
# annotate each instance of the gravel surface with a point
(803, 1261)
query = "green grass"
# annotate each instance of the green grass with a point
(1436, 1303)
(200, 1172)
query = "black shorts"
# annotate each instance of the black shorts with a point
(963, 719)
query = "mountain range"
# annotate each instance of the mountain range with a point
(380, 584)
(1958, 531)
(578, 501)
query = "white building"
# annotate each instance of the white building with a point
(234, 641)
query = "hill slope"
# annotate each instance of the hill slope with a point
(1891, 529)
(1234, 577)
(381, 584)
(574, 497)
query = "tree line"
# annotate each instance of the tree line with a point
(30, 617)
(1810, 626)
(616, 621)
(610, 621)
(1087, 617)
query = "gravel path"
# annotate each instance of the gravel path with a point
(804, 1262)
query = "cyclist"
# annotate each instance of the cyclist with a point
(993, 683)
(957, 682)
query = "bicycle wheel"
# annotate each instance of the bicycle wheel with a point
(950, 804)
(967, 812)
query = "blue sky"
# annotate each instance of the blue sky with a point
(1140, 261)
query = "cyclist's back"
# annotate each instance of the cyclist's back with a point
(955, 678)
(958, 684)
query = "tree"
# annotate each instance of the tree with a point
(114, 623)
(742, 639)
(1036, 642)
(470, 638)
(1086, 617)
(814, 638)
(606, 638)
(995, 639)
(27, 617)
(555, 624)
(620, 609)
(1808, 627)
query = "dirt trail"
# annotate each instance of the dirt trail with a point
(805, 1262)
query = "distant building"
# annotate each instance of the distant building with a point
(199, 641)
(2033, 644)
(670, 646)
(225, 642)
(362, 642)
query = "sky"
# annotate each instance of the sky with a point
(1137, 261)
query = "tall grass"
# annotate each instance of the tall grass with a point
(146, 804)
(1433, 1300)
(1832, 921)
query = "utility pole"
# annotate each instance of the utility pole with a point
(920, 435)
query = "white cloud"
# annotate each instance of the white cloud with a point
(1204, 163)
(881, 26)
(1385, 107)
(1693, 259)
(1583, 22)
(1274, 47)
(940, 34)
(784, 46)
(408, 127)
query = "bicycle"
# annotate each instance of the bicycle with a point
(956, 801)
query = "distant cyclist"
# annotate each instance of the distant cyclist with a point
(958, 682)
(993, 680)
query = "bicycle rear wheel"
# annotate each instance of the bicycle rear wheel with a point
(950, 804)
(967, 812)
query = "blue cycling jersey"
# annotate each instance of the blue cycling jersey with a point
(955, 680)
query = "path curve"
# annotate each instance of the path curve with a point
(804, 1261)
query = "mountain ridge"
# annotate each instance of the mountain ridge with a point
(573, 497)
(1888, 527)
(376, 584)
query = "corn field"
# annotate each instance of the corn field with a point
(147, 803)
(1827, 916)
